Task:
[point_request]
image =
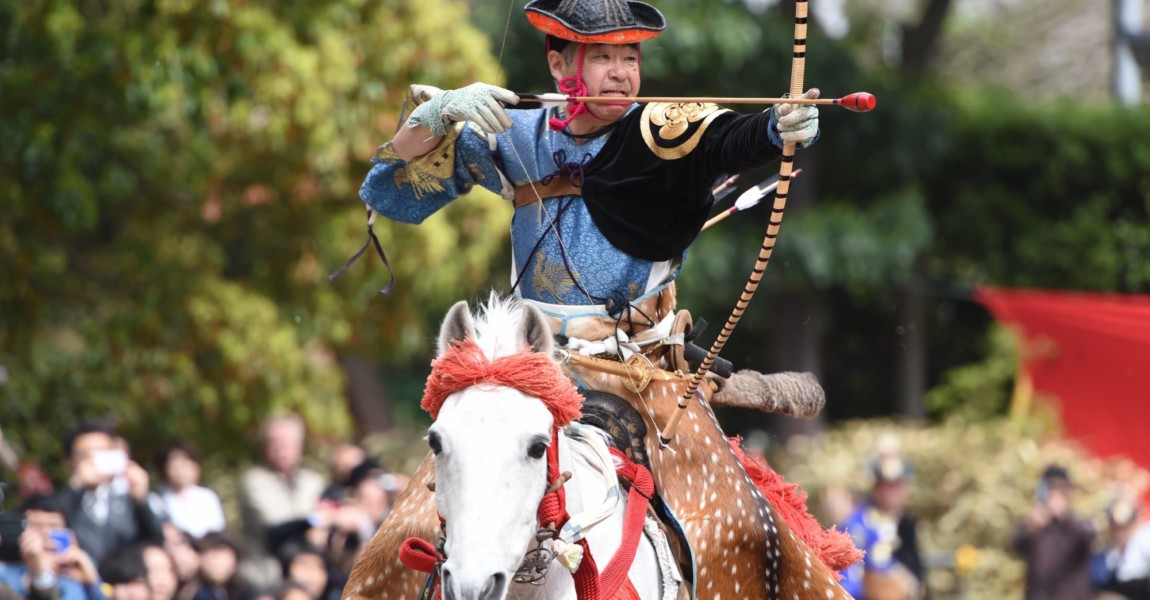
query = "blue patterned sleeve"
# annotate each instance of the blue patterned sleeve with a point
(411, 191)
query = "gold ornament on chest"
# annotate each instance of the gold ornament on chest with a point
(674, 119)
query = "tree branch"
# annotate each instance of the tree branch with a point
(920, 42)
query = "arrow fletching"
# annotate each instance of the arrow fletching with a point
(528, 101)
(725, 188)
(755, 194)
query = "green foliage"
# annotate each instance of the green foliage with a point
(875, 246)
(978, 391)
(178, 182)
(1051, 195)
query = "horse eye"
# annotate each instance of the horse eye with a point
(537, 450)
(433, 441)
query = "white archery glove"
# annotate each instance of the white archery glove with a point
(798, 125)
(478, 103)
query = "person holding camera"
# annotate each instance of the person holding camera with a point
(1121, 567)
(1055, 542)
(52, 565)
(103, 515)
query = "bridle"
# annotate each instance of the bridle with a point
(464, 365)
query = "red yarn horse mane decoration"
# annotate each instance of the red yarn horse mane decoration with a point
(464, 365)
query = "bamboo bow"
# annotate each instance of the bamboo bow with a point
(798, 70)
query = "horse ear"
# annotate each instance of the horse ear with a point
(536, 331)
(457, 326)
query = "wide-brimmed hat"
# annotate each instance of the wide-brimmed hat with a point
(596, 21)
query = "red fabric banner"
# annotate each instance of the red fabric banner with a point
(1091, 352)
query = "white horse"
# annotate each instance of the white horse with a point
(491, 445)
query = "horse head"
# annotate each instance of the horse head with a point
(492, 439)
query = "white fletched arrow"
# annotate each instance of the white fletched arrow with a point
(750, 198)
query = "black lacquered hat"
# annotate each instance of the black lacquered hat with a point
(596, 21)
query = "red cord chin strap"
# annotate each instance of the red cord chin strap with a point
(572, 86)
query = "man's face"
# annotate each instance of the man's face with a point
(181, 470)
(44, 521)
(345, 458)
(86, 446)
(283, 446)
(1057, 499)
(41, 523)
(608, 70)
(890, 496)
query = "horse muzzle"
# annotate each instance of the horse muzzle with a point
(474, 586)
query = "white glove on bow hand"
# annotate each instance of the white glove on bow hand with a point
(798, 124)
(478, 103)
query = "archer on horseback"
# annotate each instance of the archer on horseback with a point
(607, 199)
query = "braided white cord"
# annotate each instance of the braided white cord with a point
(668, 570)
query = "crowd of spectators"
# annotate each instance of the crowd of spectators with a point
(113, 530)
(1065, 557)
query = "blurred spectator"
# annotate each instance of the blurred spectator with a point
(373, 489)
(1054, 542)
(219, 568)
(9, 460)
(188, 505)
(126, 574)
(307, 566)
(31, 479)
(52, 563)
(185, 557)
(292, 590)
(161, 572)
(344, 458)
(343, 528)
(891, 567)
(1121, 570)
(275, 493)
(103, 517)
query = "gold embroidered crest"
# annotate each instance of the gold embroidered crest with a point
(550, 279)
(672, 124)
(427, 173)
(387, 154)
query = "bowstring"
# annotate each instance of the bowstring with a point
(522, 165)
(503, 45)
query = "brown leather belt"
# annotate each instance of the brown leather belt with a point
(532, 192)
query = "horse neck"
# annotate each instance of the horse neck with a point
(586, 487)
